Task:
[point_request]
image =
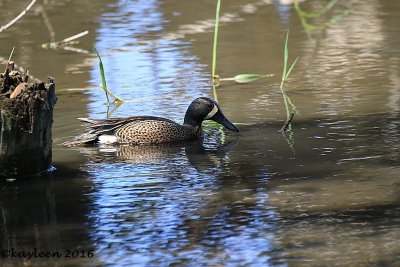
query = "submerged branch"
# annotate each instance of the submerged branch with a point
(54, 45)
(286, 127)
(5, 27)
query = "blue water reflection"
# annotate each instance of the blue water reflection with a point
(157, 206)
(251, 201)
(175, 211)
(142, 67)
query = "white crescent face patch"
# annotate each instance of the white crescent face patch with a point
(212, 112)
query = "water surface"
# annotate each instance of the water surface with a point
(324, 195)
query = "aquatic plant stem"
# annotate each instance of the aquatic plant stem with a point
(215, 93)
(63, 42)
(11, 54)
(215, 78)
(289, 115)
(214, 56)
(285, 75)
(103, 80)
(5, 27)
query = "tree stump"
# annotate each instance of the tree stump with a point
(26, 118)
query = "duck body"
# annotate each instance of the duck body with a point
(136, 130)
(142, 130)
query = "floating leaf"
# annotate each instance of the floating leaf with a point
(246, 78)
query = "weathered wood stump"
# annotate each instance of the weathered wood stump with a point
(26, 118)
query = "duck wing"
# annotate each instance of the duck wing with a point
(95, 128)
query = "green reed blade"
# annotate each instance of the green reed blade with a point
(286, 99)
(103, 80)
(103, 76)
(11, 54)
(214, 56)
(215, 93)
(285, 57)
(291, 68)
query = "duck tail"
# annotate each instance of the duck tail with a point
(87, 120)
(88, 137)
(85, 138)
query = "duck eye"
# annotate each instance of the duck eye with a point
(210, 106)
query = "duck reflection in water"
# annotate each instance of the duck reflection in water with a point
(203, 156)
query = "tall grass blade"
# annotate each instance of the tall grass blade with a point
(215, 93)
(285, 57)
(291, 68)
(286, 99)
(215, 78)
(103, 80)
(214, 56)
(11, 54)
(103, 76)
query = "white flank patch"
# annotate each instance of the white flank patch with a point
(212, 112)
(107, 139)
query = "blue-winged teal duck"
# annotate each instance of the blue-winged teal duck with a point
(153, 130)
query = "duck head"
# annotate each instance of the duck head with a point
(204, 108)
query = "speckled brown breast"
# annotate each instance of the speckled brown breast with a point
(155, 132)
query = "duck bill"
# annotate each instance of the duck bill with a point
(221, 119)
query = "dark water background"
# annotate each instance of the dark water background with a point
(327, 196)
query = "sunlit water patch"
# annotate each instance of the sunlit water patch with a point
(325, 194)
(174, 209)
(156, 76)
